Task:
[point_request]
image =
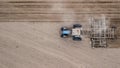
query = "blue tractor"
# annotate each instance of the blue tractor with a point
(74, 32)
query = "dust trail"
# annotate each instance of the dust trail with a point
(67, 16)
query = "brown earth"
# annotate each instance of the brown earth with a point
(29, 34)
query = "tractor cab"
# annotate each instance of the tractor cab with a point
(76, 32)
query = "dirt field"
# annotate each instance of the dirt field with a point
(31, 45)
(30, 38)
